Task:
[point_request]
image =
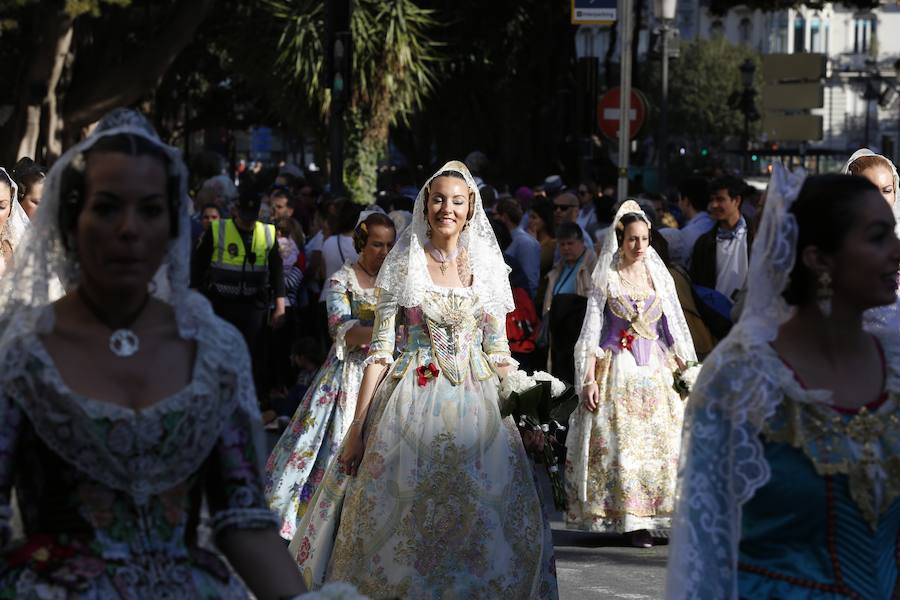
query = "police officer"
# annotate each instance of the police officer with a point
(238, 267)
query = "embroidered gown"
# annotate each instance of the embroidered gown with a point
(622, 460)
(111, 497)
(310, 443)
(824, 522)
(444, 504)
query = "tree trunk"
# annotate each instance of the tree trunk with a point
(21, 133)
(53, 142)
(90, 99)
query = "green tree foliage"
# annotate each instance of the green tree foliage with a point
(392, 72)
(701, 81)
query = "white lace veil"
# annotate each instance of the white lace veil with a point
(405, 270)
(42, 260)
(592, 327)
(18, 224)
(733, 396)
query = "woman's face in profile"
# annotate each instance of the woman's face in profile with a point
(124, 225)
(865, 267)
(6, 200)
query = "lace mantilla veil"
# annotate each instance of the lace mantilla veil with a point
(592, 327)
(404, 273)
(42, 261)
(736, 392)
(882, 318)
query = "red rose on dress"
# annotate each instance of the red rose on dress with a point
(626, 339)
(426, 372)
(303, 553)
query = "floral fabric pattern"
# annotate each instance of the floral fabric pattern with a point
(309, 444)
(444, 502)
(90, 537)
(622, 461)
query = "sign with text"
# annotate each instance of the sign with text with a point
(593, 12)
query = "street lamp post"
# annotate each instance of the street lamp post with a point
(664, 10)
(748, 108)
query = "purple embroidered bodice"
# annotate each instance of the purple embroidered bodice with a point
(648, 326)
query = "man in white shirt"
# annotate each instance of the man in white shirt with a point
(721, 257)
(693, 198)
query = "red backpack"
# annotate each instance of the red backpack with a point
(522, 323)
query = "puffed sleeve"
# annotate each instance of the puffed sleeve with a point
(384, 334)
(340, 318)
(234, 484)
(10, 425)
(494, 341)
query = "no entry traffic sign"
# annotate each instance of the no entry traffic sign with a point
(608, 110)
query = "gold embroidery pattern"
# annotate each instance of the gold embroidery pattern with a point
(865, 447)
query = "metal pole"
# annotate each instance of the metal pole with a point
(745, 167)
(664, 110)
(625, 35)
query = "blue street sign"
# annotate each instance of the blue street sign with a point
(593, 12)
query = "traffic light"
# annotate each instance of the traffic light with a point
(754, 157)
(704, 152)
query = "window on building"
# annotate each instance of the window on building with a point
(745, 31)
(716, 28)
(818, 35)
(799, 34)
(777, 26)
(864, 29)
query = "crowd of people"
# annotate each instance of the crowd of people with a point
(152, 325)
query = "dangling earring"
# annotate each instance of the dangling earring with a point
(824, 293)
(428, 228)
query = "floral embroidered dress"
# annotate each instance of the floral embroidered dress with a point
(444, 504)
(622, 461)
(310, 443)
(111, 497)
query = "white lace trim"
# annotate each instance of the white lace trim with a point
(346, 276)
(380, 358)
(340, 338)
(245, 518)
(502, 360)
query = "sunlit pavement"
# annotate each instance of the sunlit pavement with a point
(590, 566)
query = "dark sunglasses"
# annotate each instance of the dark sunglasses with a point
(562, 206)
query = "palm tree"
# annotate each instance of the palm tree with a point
(392, 73)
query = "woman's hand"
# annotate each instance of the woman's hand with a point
(352, 453)
(532, 439)
(590, 395)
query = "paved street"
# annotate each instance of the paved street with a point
(591, 566)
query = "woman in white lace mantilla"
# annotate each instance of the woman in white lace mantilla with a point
(883, 174)
(14, 222)
(109, 460)
(789, 483)
(433, 495)
(310, 442)
(624, 437)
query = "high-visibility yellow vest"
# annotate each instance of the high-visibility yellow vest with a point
(233, 272)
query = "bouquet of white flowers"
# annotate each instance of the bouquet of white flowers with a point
(685, 378)
(531, 400)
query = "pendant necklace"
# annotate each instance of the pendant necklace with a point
(439, 257)
(365, 270)
(123, 342)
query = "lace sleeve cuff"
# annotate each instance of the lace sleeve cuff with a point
(379, 358)
(244, 518)
(502, 360)
(340, 335)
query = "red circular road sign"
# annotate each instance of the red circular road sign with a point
(608, 113)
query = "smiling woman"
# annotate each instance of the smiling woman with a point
(88, 427)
